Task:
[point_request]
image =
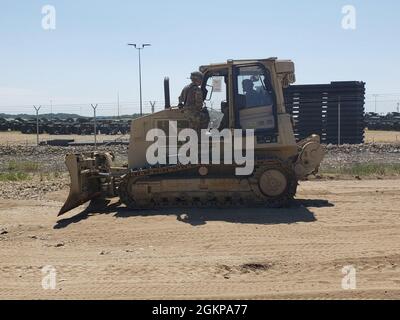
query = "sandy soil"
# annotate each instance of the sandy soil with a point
(253, 253)
(382, 136)
(14, 138)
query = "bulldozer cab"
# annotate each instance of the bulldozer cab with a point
(246, 95)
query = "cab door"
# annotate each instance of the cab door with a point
(255, 102)
(215, 90)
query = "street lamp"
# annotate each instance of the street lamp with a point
(375, 96)
(139, 48)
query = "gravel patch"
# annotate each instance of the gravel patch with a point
(50, 158)
(34, 189)
(362, 153)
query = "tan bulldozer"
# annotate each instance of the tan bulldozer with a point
(250, 96)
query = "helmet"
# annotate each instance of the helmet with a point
(196, 75)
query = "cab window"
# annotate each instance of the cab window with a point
(254, 98)
(216, 98)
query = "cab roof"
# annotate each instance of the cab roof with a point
(203, 68)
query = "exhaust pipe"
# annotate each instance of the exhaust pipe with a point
(167, 98)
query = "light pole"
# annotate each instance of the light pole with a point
(37, 123)
(339, 122)
(375, 96)
(118, 104)
(152, 104)
(139, 48)
(95, 125)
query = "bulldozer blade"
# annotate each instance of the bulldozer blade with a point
(75, 201)
(85, 182)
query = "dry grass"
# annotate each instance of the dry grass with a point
(18, 138)
(382, 136)
(23, 166)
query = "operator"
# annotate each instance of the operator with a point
(191, 100)
(253, 98)
(191, 94)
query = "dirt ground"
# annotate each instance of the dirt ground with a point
(382, 136)
(291, 253)
(17, 138)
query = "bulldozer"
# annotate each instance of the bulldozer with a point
(250, 93)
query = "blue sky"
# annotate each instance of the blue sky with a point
(86, 60)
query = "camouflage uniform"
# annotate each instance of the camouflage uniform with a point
(191, 96)
(198, 117)
(191, 99)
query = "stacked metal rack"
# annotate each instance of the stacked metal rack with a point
(335, 111)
